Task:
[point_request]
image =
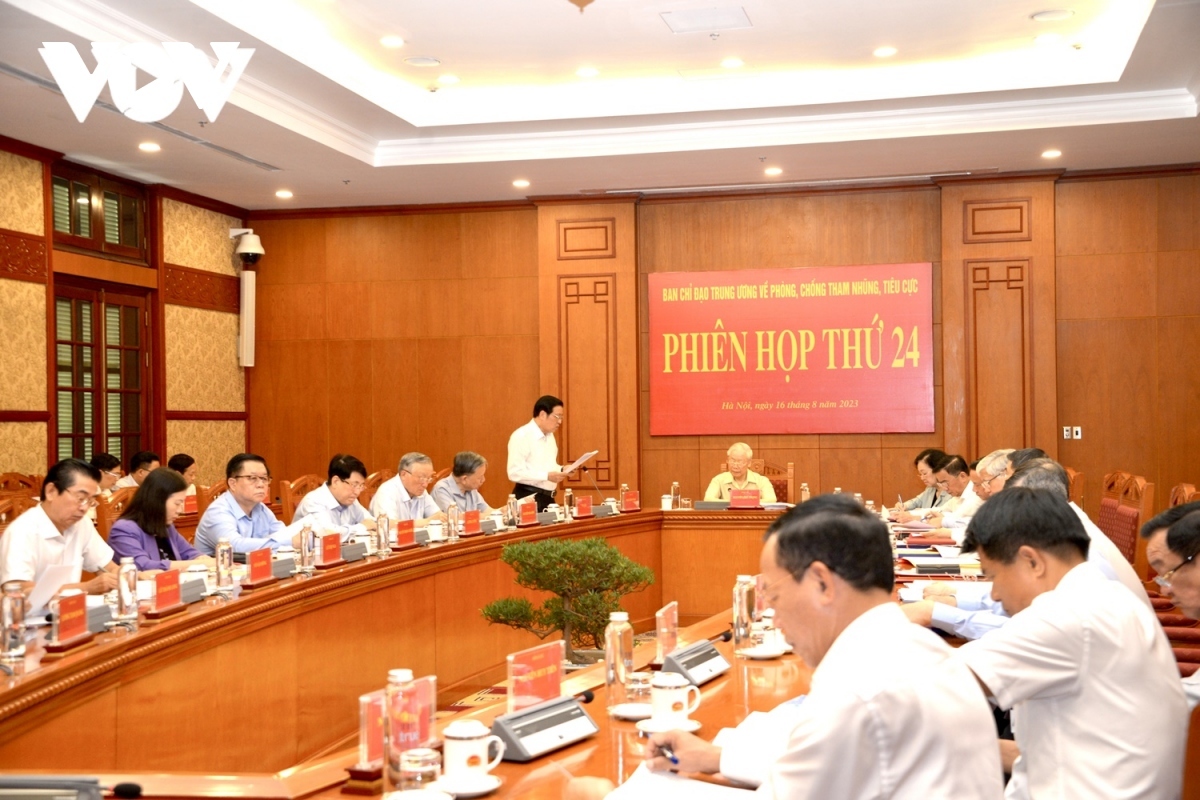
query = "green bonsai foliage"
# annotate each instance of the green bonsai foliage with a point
(588, 578)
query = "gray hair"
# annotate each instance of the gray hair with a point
(466, 462)
(994, 463)
(1042, 473)
(740, 447)
(408, 459)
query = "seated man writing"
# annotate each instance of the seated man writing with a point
(739, 476)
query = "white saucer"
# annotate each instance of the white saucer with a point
(650, 726)
(632, 711)
(418, 794)
(472, 786)
(761, 652)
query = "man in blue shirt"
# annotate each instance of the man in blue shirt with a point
(240, 515)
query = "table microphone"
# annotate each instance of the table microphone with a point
(127, 791)
(588, 472)
(724, 636)
(586, 696)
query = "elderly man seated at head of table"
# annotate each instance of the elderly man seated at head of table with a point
(333, 506)
(241, 515)
(1172, 544)
(1082, 663)
(739, 476)
(141, 464)
(461, 486)
(57, 532)
(889, 713)
(403, 497)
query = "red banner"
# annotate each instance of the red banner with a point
(818, 350)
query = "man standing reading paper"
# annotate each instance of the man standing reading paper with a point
(533, 453)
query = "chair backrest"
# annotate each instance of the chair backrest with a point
(782, 478)
(1138, 497)
(13, 505)
(110, 508)
(372, 484)
(292, 492)
(441, 473)
(1076, 491)
(16, 481)
(1182, 494)
(206, 494)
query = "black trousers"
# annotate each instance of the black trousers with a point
(543, 497)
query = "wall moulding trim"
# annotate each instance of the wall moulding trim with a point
(207, 416)
(198, 200)
(28, 150)
(24, 416)
(580, 239)
(199, 288)
(389, 211)
(1131, 173)
(23, 256)
(587, 333)
(987, 221)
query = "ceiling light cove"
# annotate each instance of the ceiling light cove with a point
(1053, 15)
(521, 183)
(733, 62)
(1048, 38)
(1051, 153)
(773, 172)
(284, 194)
(149, 147)
(392, 42)
(587, 72)
(887, 51)
(447, 79)
(422, 61)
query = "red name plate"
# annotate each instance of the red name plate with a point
(258, 563)
(535, 675)
(166, 589)
(72, 617)
(631, 500)
(406, 533)
(583, 506)
(331, 548)
(528, 514)
(743, 498)
(471, 523)
(189, 504)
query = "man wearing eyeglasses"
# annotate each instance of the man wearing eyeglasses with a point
(533, 453)
(405, 496)
(739, 476)
(954, 476)
(110, 471)
(1172, 543)
(57, 532)
(241, 515)
(333, 506)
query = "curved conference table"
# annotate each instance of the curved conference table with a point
(271, 678)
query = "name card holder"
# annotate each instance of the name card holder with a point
(168, 600)
(744, 498)
(603, 510)
(330, 552)
(583, 507)
(354, 551)
(528, 515)
(191, 590)
(631, 501)
(72, 626)
(666, 638)
(547, 518)
(189, 504)
(366, 776)
(98, 617)
(489, 526)
(405, 536)
(259, 571)
(699, 663)
(543, 728)
(472, 525)
(283, 568)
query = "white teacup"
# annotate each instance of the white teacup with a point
(467, 742)
(435, 530)
(669, 699)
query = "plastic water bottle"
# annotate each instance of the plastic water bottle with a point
(127, 602)
(224, 564)
(675, 495)
(383, 535)
(307, 549)
(511, 510)
(569, 503)
(452, 522)
(618, 657)
(805, 494)
(12, 622)
(743, 613)
(402, 729)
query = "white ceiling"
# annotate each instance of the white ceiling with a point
(326, 111)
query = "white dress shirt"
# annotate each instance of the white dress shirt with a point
(1191, 688)
(447, 491)
(394, 500)
(321, 509)
(889, 715)
(1109, 560)
(532, 455)
(32, 543)
(124, 482)
(960, 514)
(1098, 710)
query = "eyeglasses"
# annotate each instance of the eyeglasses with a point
(558, 417)
(422, 478)
(357, 486)
(257, 480)
(83, 499)
(111, 474)
(740, 462)
(1164, 580)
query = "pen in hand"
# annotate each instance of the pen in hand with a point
(668, 753)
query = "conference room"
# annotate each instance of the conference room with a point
(750, 249)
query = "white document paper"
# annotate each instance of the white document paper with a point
(646, 785)
(54, 578)
(580, 460)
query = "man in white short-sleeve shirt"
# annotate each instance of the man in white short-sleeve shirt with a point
(533, 453)
(1171, 545)
(1080, 663)
(57, 532)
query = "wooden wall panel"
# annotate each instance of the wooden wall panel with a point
(998, 329)
(1108, 285)
(1179, 283)
(588, 358)
(442, 404)
(1177, 431)
(289, 407)
(349, 369)
(90, 728)
(1106, 217)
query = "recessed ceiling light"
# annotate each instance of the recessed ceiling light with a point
(422, 61)
(1053, 15)
(284, 194)
(447, 79)
(732, 62)
(773, 171)
(1051, 153)
(149, 147)
(521, 183)
(392, 42)
(587, 72)
(885, 52)
(1048, 38)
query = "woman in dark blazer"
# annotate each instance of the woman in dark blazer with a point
(146, 530)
